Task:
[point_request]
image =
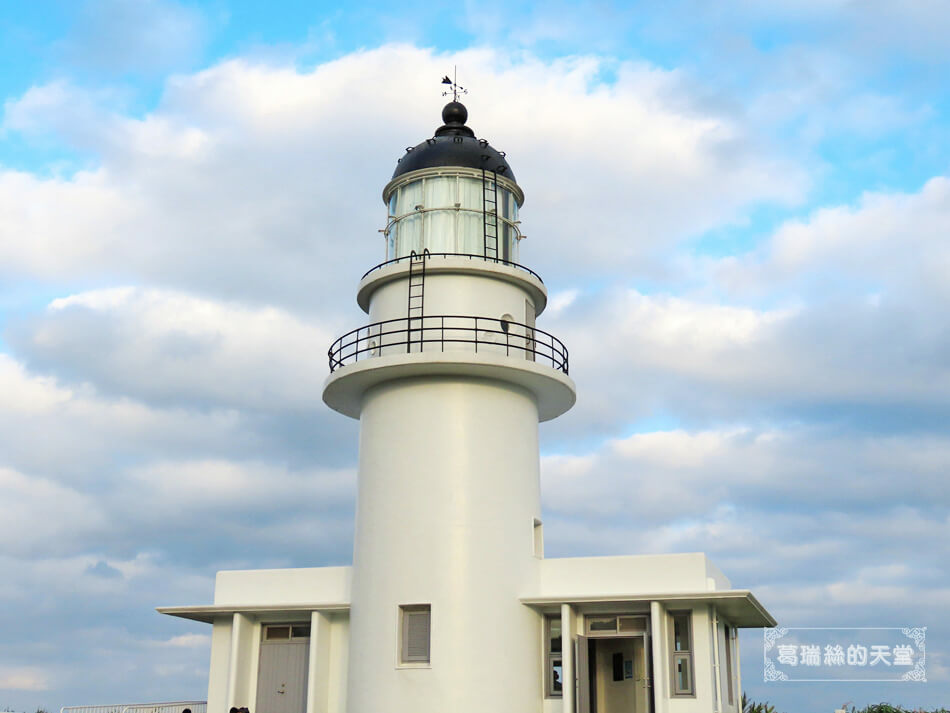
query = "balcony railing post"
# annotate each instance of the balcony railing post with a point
(352, 345)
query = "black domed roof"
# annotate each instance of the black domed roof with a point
(454, 144)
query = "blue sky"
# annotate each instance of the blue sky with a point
(740, 211)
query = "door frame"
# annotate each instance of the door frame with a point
(585, 678)
(294, 639)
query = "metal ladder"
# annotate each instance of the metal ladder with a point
(415, 312)
(490, 212)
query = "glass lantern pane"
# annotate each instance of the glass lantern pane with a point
(471, 239)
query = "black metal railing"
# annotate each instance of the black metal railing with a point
(441, 333)
(468, 255)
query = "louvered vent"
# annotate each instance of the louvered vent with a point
(415, 633)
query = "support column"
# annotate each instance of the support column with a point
(568, 679)
(318, 675)
(658, 651)
(239, 670)
(738, 658)
(714, 616)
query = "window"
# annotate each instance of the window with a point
(286, 632)
(682, 653)
(538, 532)
(602, 624)
(447, 213)
(553, 687)
(414, 634)
(607, 625)
(632, 623)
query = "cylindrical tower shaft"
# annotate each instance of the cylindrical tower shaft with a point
(448, 497)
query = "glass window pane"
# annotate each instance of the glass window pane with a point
(633, 623)
(409, 227)
(275, 633)
(440, 195)
(681, 632)
(301, 631)
(554, 639)
(602, 624)
(556, 676)
(471, 236)
(683, 680)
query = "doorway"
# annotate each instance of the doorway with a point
(284, 664)
(615, 674)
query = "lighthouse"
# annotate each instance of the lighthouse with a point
(450, 605)
(449, 381)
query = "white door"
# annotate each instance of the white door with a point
(282, 677)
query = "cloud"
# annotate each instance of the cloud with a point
(246, 171)
(669, 477)
(891, 240)
(188, 641)
(23, 679)
(38, 512)
(637, 357)
(169, 348)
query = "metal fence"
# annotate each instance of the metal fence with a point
(443, 333)
(162, 707)
(470, 256)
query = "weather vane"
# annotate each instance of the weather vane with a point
(456, 89)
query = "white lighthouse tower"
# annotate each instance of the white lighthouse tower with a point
(450, 605)
(449, 382)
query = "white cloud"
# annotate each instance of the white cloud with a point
(36, 513)
(895, 240)
(23, 679)
(168, 347)
(188, 641)
(678, 477)
(247, 171)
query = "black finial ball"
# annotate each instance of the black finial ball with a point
(454, 113)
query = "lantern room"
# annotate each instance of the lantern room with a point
(453, 194)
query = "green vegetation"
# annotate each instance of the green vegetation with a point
(753, 707)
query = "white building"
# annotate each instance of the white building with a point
(450, 605)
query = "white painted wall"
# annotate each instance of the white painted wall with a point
(274, 587)
(463, 293)
(574, 577)
(447, 496)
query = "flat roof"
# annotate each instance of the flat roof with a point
(208, 613)
(737, 605)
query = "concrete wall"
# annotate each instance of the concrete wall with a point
(447, 496)
(640, 574)
(452, 293)
(273, 587)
